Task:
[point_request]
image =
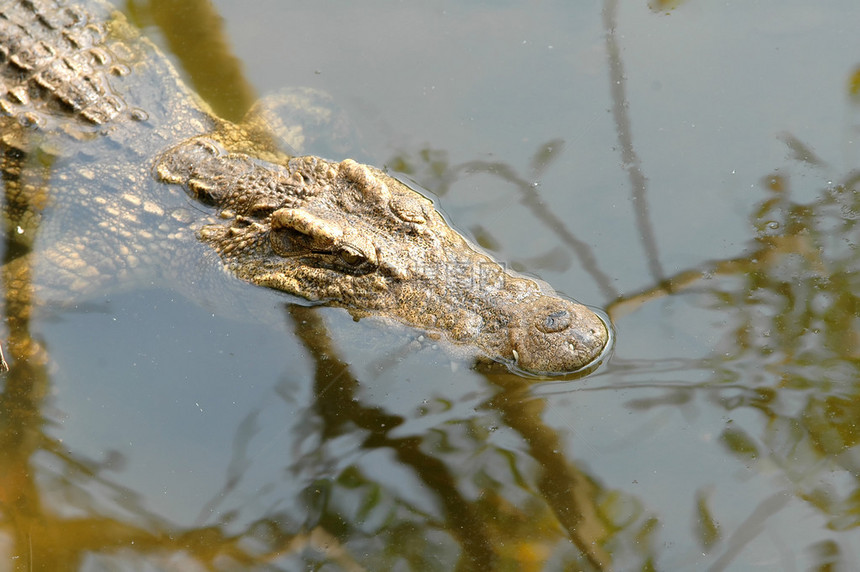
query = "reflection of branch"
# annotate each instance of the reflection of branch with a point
(638, 182)
(532, 200)
(39, 540)
(791, 349)
(570, 494)
(194, 32)
(26, 384)
(336, 403)
(766, 256)
(626, 304)
(751, 528)
(688, 278)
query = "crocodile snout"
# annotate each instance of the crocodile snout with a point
(556, 336)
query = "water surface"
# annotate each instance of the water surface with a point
(689, 166)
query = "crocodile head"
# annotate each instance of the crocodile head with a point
(349, 235)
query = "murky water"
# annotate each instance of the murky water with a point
(692, 167)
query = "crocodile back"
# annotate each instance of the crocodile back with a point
(82, 72)
(86, 103)
(54, 60)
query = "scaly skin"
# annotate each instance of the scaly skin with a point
(92, 107)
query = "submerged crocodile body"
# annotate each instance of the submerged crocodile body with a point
(125, 174)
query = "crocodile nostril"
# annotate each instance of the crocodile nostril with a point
(555, 322)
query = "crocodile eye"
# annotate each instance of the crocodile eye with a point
(351, 255)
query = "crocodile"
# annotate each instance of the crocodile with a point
(126, 175)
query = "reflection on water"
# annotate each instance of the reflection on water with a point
(503, 479)
(791, 351)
